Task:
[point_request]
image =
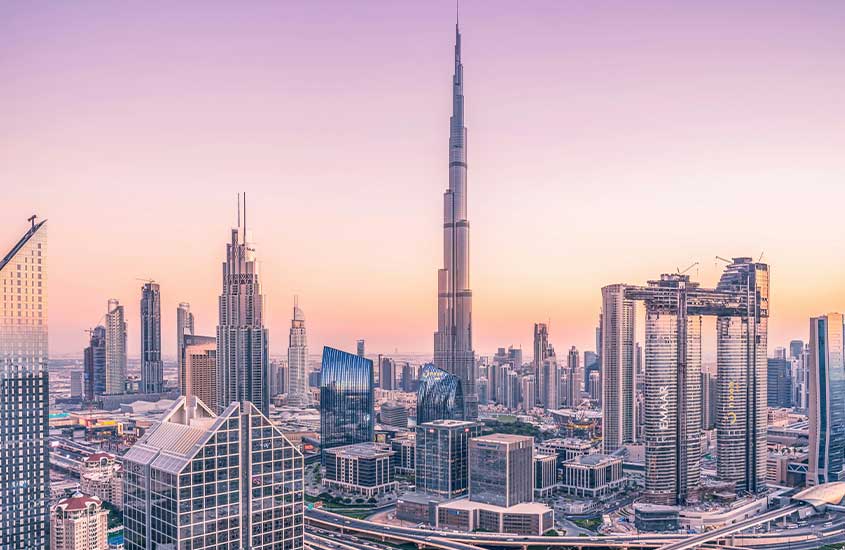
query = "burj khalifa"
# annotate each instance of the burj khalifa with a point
(453, 340)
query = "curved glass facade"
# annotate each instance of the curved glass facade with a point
(440, 396)
(346, 399)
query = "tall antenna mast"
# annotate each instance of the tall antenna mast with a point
(244, 217)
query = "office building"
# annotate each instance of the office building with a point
(242, 340)
(387, 373)
(442, 457)
(94, 361)
(545, 474)
(575, 378)
(618, 377)
(595, 386)
(199, 365)
(363, 468)
(202, 481)
(527, 392)
(405, 457)
(152, 369)
(827, 400)
(184, 325)
(527, 518)
(501, 469)
(24, 399)
(115, 379)
(550, 380)
(592, 475)
(779, 383)
(453, 351)
(346, 400)
(394, 414)
(79, 523)
(298, 393)
(360, 347)
(440, 396)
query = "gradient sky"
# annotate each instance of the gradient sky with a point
(609, 141)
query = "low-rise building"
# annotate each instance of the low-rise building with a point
(545, 474)
(592, 476)
(566, 448)
(526, 518)
(79, 523)
(655, 518)
(362, 468)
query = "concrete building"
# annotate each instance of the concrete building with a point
(501, 468)
(592, 476)
(364, 468)
(394, 414)
(24, 398)
(566, 448)
(405, 455)
(199, 363)
(453, 351)
(115, 380)
(442, 457)
(102, 476)
(232, 479)
(78, 523)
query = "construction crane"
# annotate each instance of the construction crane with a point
(692, 265)
(148, 280)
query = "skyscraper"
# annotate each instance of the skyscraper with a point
(541, 346)
(440, 396)
(24, 400)
(576, 378)
(79, 522)
(205, 481)
(386, 373)
(298, 393)
(453, 350)
(95, 363)
(184, 325)
(796, 349)
(347, 413)
(442, 456)
(616, 335)
(501, 469)
(199, 363)
(779, 383)
(115, 380)
(827, 400)
(152, 369)
(360, 346)
(527, 392)
(242, 340)
(550, 380)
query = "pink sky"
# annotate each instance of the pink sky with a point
(608, 142)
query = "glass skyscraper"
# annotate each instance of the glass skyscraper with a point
(346, 399)
(440, 396)
(152, 369)
(24, 402)
(206, 482)
(442, 457)
(827, 400)
(115, 379)
(95, 363)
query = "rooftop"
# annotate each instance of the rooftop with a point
(594, 459)
(521, 508)
(362, 450)
(504, 438)
(78, 502)
(449, 423)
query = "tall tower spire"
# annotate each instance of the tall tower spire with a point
(453, 350)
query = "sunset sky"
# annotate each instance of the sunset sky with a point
(609, 141)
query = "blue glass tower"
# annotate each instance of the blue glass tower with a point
(440, 396)
(826, 460)
(346, 399)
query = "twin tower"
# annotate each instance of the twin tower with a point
(674, 308)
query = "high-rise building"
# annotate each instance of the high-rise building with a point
(442, 457)
(527, 391)
(115, 379)
(779, 383)
(24, 400)
(440, 396)
(279, 378)
(550, 380)
(394, 414)
(184, 325)
(94, 360)
(346, 399)
(205, 481)
(595, 386)
(453, 351)
(515, 356)
(387, 373)
(709, 395)
(510, 388)
(483, 390)
(826, 458)
(242, 340)
(199, 364)
(76, 383)
(796, 349)
(152, 369)
(575, 380)
(361, 348)
(79, 523)
(298, 393)
(501, 469)
(408, 377)
(618, 383)
(541, 348)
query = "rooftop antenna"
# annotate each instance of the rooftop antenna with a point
(31, 220)
(244, 217)
(239, 210)
(760, 259)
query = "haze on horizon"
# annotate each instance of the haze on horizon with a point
(608, 142)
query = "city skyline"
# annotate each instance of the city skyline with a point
(590, 105)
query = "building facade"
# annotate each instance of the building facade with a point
(440, 396)
(453, 351)
(202, 481)
(242, 340)
(152, 369)
(501, 469)
(199, 365)
(184, 326)
(24, 399)
(298, 394)
(364, 468)
(115, 379)
(618, 377)
(826, 458)
(779, 383)
(592, 476)
(442, 457)
(347, 413)
(79, 523)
